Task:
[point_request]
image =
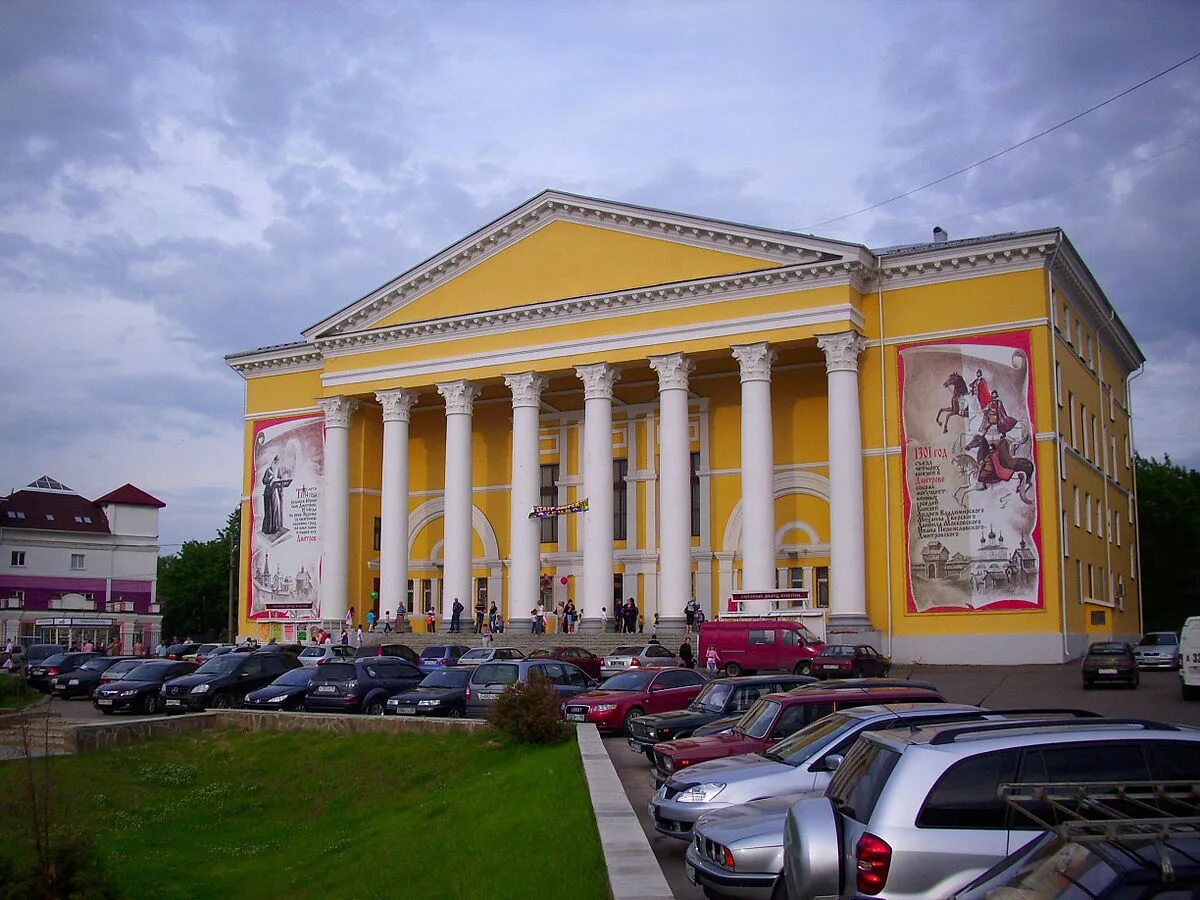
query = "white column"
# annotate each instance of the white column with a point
(335, 503)
(456, 551)
(598, 383)
(758, 470)
(393, 526)
(525, 549)
(847, 555)
(674, 486)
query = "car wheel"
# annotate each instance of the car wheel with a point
(856, 672)
(635, 713)
(221, 701)
(106, 711)
(375, 708)
(733, 670)
(456, 712)
(802, 668)
(1087, 685)
(150, 705)
(1189, 692)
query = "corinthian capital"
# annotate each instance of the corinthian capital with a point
(598, 380)
(755, 361)
(396, 404)
(841, 350)
(672, 370)
(526, 389)
(337, 410)
(460, 396)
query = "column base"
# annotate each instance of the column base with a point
(852, 628)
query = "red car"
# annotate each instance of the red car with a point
(851, 661)
(585, 659)
(772, 718)
(625, 697)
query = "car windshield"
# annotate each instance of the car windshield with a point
(56, 660)
(151, 671)
(447, 678)
(809, 741)
(1045, 866)
(495, 673)
(99, 664)
(535, 654)
(628, 681)
(296, 677)
(477, 653)
(335, 672)
(713, 697)
(1159, 640)
(1107, 650)
(208, 648)
(124, 667)
(757, 720)
(435, 651)
(626, 651)
(309, 652)
(837, 650)
(221, 665)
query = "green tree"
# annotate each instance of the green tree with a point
(1169, 528)
(193, 583)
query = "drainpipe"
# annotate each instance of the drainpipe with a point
(1137, 510)
(1108, 538)
(887, 474)
(1058, 450)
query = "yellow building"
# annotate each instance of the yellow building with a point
(933, 443)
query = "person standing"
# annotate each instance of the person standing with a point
(494, 618)
(711, 658)
(631, 616)
(486, 631)
(328, 641)
(16, 661)
(456, 616)
(685, 654)
(541, 615)
(350, 618)
(480, 609)
(604, 619)
(370, 620)
(345, 638)
(430, 621)
(689, 615)
(358, 636)
(387, 621)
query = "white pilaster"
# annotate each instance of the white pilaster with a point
(393, 528)
(456, 551)
(525, 551)
(335, 502)
(758, 470)
(847, 556)
(674, 485)
(598, 380)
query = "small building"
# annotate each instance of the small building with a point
(74, 570)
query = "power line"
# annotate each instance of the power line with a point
(1008, 149)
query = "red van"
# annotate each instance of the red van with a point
(746, 646)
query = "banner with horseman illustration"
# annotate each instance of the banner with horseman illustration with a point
(968, 440)
(285, 519)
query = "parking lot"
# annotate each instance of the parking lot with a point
(1016, 687)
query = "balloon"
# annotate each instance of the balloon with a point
(563, 580)
(374, 595)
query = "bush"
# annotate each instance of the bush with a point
(71, 870)
(14, 692)
(530, 713)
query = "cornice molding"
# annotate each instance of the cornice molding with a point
(273, 360)
(1086, 297)
(771, 246)
(968, 260)
(673, 370)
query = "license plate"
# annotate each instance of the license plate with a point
(576, 717)
(635, 746)
(325, 689)
(489, 695)
(830, 667)
(62, 687)
(174, 703)
(104, 702)
(406, 711)
(691, 872)
(1108, 671)
(73, 682)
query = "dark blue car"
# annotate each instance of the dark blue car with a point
(360, 685)
(286, 692)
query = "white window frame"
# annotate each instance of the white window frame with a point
(17, 559)
(1071, 401)
(1079, 578)
(1087, 511)
(1099, 518)
(81, 558)
(1058, 384)
(1075, 499)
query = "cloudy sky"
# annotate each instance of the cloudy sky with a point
(186, 180)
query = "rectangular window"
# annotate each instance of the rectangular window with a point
(1112, 452)
(1127, 459)
(1091, 581)
(1097, 444)
(1099, 518)
(1097, 618)
(481, 590)
(549, 497)
(1078, 338)
(796, 578)
(378, 543)
(1065, 542)
(1087, 511)
(1075, 497)
(1090, 358)
(1117, 526)
(695, 495)
(1132, 563)
(822, 577)
(1079, 578)
(426, 594)
(757, 637)
(1083, 427)
(409, 595)
(77, 560)
(1112, 405)
(17, 558)
(1058, 383)
(1071, 403)
(620, 500)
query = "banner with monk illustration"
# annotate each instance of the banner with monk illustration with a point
(968, 440)
(285, 518)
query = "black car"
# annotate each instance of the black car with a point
(225, 681)
(360, 685)
(82, 681)
(179, 651)
(720, 698)
(442, 693)
(139, 687)
(1109, 662)
(40, 675)
(36, 654)
(284, 693)
(401, 651)
(117, 671)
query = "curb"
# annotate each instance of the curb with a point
(633, 871)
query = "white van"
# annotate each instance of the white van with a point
(1189, 659)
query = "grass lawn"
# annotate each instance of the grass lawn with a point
(304, 814)
(15, 693)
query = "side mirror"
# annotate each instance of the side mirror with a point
(832, 761)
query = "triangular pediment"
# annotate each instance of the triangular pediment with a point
(558, 245)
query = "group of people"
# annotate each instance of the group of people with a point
(627, 618)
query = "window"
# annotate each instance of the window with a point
(1071, 403)
(620, 499)
(1065, 542)
(757, 637)
(1097, 444)
(549, 497)
(1099, 518)
(481, 591)
(1083, 427)
(77, 560)
(1058, 383)
(965, 797)
(822, 574)
(1087, 511)
(426, 595)
(695, 495)
(1117, 528)
(1090, 358)
(1079, 578)
(1097, 618)
(1112, 447)
(1112, 405)
(682, 678)
(1075, 499)
(1091, 581)
(17, 558)
(408, 596)
(49, 517)
(378, 533)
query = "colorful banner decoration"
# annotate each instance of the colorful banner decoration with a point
(546, 512)
(971, 511)
(285, 519)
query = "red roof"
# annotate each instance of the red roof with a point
(129, 495)
(51, 511)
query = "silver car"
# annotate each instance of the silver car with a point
(1157, 650)
(631, 656)
(481, 655)
(311, 656)
(803, 761)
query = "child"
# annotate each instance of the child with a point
(486, 631)
(711, 659)
(430, 622)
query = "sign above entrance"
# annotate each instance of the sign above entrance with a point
(546, 512)
(92, 623)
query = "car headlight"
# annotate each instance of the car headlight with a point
(201, 689)
(701, 793)
(429, 703)
(126, 693)
(278, 699)
(604, 707)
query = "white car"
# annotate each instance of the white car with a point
(311, 656)
(489, 654)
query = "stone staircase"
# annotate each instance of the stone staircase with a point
(45, 734)
(597, 642)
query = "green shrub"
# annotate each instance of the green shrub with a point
(14, 692)
(70, 870)
(530, 713)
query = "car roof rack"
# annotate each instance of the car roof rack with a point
(1128, 812)
(1046, 711)
(950, 735)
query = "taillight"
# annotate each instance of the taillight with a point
(634, 662)
(445, 661)
(874, 857)
(468, 690)
(380, 651)
(52, 671)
